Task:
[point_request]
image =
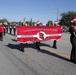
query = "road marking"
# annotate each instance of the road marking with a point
(55, 52)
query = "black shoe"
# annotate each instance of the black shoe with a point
(54, 47)
(21, 49)
(37, 48)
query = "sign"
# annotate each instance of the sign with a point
(38, 33)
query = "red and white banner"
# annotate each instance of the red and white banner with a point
(1, 29)
(38, 33)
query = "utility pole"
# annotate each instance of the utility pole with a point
(57, 13)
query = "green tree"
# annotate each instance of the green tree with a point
(31, 23)
(19, 23)
(4, 20)
(13, 22)
(24, 20)
(66, 18)
(49, 23)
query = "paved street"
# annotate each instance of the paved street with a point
(47, 61)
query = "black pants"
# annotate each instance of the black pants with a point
(38, 45)
(14, 31)
(55, 44)
(10, 30)
(73, 51)
(4, 31)
(7, 30)
(1, 36)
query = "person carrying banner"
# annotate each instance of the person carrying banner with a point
(55, 41)
(72, 30)
(38, 43)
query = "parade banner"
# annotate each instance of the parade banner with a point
(1, 29)
(38, 33)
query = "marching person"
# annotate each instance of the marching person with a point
(72, 31)
(4, 30)
(14, 29)
(1, 33)
(55, 41)
(38, 42)
(7, 28)
(10, 29)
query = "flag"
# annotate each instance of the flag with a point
(31, 22)
(24, 19)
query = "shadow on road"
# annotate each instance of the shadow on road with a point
(14, 40)
(26, 45)
(53, 54)
(13, 46)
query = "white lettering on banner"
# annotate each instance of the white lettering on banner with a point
(51, 30)
(40, 37)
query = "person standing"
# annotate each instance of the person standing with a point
(55, 41)
(38, 42)
(7, 28)
(72, 30)
(4, 29)
(1, 33)
(10, 29)
(14, 29)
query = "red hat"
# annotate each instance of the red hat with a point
(73, 19)
(55, 22)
